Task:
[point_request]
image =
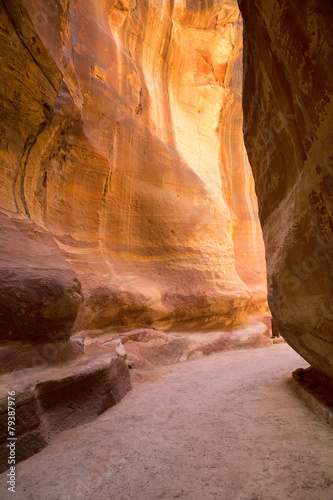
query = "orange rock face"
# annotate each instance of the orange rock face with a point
(127, 202)
(288, 111)
(122, 155)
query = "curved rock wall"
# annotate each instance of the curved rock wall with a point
(123, 161)
(288, 110)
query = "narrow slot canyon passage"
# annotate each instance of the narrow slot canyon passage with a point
(166, 249)
(226, 426)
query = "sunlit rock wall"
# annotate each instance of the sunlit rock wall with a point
(122, 159)
(288, 112)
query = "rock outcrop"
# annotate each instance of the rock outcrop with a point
(288, 89)
(49, 400)
(39, 293)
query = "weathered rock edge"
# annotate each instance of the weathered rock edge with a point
(53, 400)
(316, 391)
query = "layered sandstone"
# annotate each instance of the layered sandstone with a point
(127, 201)
(49, 400)
(288, 110)
(124, 166)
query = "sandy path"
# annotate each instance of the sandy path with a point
(225, 427)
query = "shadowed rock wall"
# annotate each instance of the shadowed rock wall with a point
(288, 112)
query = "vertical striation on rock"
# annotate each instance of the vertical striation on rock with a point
(126, 201)
(122, 152)
(288, 110)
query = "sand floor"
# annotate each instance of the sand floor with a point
(227, 426)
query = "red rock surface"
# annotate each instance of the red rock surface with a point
(146, 348)
(122, 151)
(288, 89)
(316, 390)
(127, 201)
(48, 401)
(39, 294)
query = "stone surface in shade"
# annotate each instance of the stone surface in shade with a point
(39, 293)
(316, 390)
(122, 151)
(48, 401)
(288, 112)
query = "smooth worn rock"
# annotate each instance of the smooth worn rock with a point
(122, 148)
(40, 294)
(288, 113)
(145, 348)
(50, 401)
(17, 356)
(317, 392)
(127, 200)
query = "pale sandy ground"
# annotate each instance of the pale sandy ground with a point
(227, 427)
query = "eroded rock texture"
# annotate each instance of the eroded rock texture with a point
(57, 398)
(127, 201)
(123, 165)
(288, 109)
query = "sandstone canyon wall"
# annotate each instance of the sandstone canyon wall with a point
(126, 196)
(288, 112)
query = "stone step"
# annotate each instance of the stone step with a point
(48, 401)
